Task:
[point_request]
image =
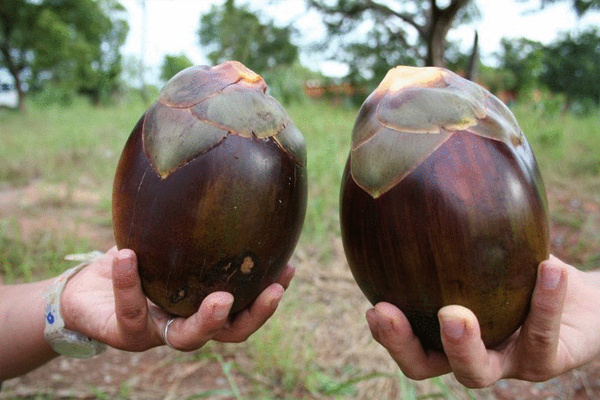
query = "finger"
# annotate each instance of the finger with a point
(392, 330)
(473, 365)
(538, 342)
(251, 319)
(131, 307)
(192, 333)
(112, 250)
(285, 277)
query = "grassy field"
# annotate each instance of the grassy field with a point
(56, 171)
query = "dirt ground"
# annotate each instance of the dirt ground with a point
(336, 327)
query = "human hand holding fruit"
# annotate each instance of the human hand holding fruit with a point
(560, 333)
(105, 302)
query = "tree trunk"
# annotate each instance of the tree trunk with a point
(14, 71)
(440, 22)
(436, 45)
(21, 95)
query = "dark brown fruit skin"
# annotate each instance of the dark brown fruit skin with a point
(226, 221)
(468, 226)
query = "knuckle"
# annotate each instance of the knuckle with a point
(415, 370)
(537, 374)
(415, 373)
(132, 317)
(540, 339)
(230, 335)
(545, 307)
(136, 346)
(537, 369)
(458, 355)
(238, 338)
(475, 382)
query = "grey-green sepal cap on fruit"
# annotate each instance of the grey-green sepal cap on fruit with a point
(411, 113)
(201, 105)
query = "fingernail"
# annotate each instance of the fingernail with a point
(371, 317)
(453, 328)
(386, 326)
(550, 276)
(124, 260)
(274, 302)
(221, 311)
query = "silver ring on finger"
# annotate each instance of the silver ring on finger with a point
(166, 333)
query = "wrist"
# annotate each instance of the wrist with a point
(63, 340)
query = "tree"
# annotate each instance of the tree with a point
(581, 6)
(74, 43)
(572, 66)
(172, 65)
(524, 59)
(384, 30)
(232, 32)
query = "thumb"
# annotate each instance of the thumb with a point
(538, 341)
(130, 302)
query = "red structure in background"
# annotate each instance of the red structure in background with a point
(317, 89)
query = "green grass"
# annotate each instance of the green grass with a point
(327, 131)
(64, 144)
(40, 256)
(566, 146)
(78, 146)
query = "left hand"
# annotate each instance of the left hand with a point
(105, 301)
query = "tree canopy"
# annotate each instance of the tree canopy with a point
(232, 32)
(572, 66)
(172, 65)
(524, 59)
(378, 35)
(580, 6)
(569, 65)
(71, 42)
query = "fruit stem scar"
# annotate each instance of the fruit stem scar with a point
(247, 265)
(179, 294)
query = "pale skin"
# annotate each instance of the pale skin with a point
(105, 302)
(561, 332)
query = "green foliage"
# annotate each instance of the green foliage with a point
(496, 80)
(372, 37)
(232, 32)
(286, 83)
(523, 59)
(580, 6)
(172, 65)
(568, 66)
(74, 43)
(572, 66)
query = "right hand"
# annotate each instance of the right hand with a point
(561, 332)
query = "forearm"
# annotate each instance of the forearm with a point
(22, 343)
